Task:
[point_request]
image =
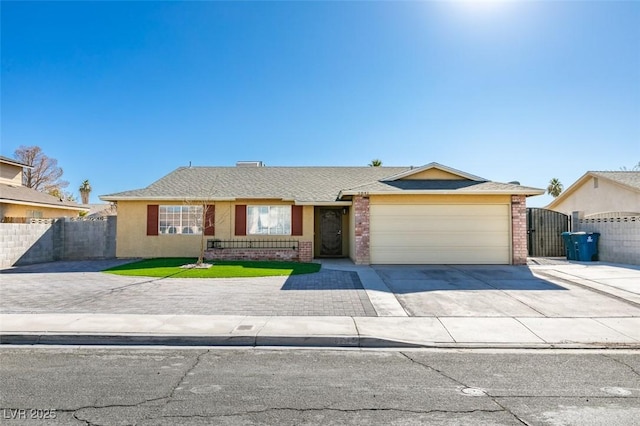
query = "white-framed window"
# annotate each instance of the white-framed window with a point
(268, 220)
(180, 220)
(35, 214)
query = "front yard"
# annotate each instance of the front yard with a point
(174, 268)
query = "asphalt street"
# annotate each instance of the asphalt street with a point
(161, 386)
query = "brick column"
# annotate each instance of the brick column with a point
(519, 229)
(305, 251)
(361, 215)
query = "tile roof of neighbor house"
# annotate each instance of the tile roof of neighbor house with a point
(22, 195)
(299, 184)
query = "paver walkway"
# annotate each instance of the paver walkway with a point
(69, 287)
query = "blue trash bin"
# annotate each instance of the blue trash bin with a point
(569, 247)
(586, 245)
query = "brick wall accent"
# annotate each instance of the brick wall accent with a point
(306, 251)
(303, 254)
(519, 229)
(361, 214)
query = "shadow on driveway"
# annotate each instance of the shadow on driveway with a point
(67, 266)
(325, 279)
(425, 278)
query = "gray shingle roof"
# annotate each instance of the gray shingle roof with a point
(302, 184)
(23, 194)
(630, 179)
(13, 162)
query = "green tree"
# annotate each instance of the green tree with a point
(555, 187)
(375, 163)
(85, 191)
(62, 195)
(44, 174)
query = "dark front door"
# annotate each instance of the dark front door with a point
(544, 229)
(331, 232)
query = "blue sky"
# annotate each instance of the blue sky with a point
(122, 93)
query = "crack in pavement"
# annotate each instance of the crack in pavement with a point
(443, 374)
(165, 398)
(636, 372)
(186, 373)
(340, 410)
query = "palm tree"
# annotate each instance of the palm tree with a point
(635, 168)
(375, 163)
(555, 187)
(85, 190)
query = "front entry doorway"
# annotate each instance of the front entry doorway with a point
(330, 232)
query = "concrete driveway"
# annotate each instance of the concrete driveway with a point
(553, 291)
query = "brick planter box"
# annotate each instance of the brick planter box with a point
(303, 254)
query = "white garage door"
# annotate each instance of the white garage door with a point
(448, 234)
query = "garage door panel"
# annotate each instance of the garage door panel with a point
(444, 224)
(441, 239)
(450, 257)
(472, 234)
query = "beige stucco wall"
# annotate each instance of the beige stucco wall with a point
(607, 197)
(19, 210)
(132, 239)
(10, 174)
(432, 174)
(440, 199)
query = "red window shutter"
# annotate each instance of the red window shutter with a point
(241, 219)
(296, 220)
(152, 219)
(210, 220)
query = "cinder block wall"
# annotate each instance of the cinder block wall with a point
(89, 239)
(60, 239)
(32, 243)
(619, 237)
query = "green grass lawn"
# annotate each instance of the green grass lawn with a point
(171, 268)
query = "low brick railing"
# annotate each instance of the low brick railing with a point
(299, 252)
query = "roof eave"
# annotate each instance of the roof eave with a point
(47, 205)
(15, 163)
(163, 198)
(527, 193)
(434, 165)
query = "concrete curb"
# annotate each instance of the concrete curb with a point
(195, 340)
(76, 339)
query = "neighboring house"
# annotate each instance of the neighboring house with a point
(18, 203)
(100, 210)
(601, 192)
(400, 215)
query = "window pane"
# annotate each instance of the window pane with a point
(269, 220)
(180, 219)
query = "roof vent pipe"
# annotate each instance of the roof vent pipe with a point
(249, 164)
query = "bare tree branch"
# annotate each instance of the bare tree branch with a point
(45, 175)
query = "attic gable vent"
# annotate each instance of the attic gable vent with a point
(249, 164)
